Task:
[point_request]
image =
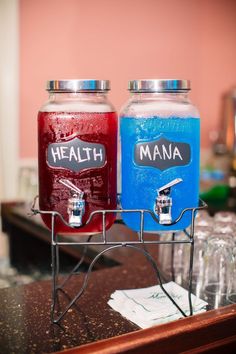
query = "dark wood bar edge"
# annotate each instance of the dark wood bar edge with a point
(210, 332)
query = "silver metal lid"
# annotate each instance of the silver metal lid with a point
(163, 85)
(78, 85)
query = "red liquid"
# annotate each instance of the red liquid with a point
(98, 184)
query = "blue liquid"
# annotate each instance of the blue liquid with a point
(139, 184)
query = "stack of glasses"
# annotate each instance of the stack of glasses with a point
(214, 268)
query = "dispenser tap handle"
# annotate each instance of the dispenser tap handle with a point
(72, 187)
(166, 188)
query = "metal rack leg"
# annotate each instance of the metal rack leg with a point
(76, 267)
(173, 258)
(84, 285)
(191, 275)
(57, 263)
(54, 270)
(154, 265)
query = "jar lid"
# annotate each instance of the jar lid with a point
(163, 85)
(78, 85)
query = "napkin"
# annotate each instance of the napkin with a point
(147, 307)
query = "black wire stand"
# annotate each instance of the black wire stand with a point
(55, 244)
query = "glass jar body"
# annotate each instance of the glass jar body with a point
(77, 135)
(160, 142)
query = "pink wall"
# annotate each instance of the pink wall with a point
(122, 40)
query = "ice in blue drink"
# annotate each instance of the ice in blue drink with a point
(154, 152)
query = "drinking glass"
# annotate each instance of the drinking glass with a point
(224, 228)
(164, 255)
(175, 258)
(231, 291)
(201, 235)
(225, 216)
(218, 259)
(203, 219)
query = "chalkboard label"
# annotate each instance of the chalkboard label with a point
(162, 154)
(76, 155)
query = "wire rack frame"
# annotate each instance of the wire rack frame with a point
(55, 244)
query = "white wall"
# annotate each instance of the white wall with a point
(9, 97)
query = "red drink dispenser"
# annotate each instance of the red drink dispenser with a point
(77, 149)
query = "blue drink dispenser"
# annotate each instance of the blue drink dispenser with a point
(160, 148)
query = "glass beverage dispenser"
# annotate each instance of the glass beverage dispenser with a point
(77, 133)
(160, 144)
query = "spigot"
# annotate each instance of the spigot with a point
(163, 202)
(76, 204)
